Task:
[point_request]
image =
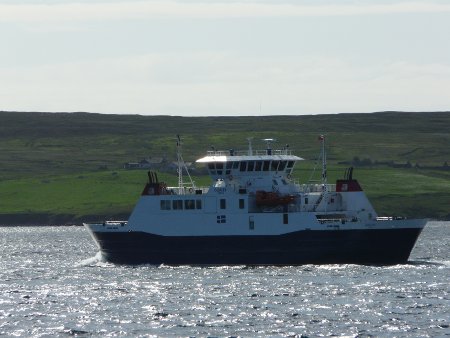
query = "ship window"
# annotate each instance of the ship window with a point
(177, 205)
(189, 204)
(221, 219)
(282, 165)
(198, 204)
(243, 166)
(165, 205)
(241, 203)
(306, 200)
(285, 218)
(251, 223)
(219, 167)
(229, 165)
(223, 203)
(212, 168)
(274, 166)
(266, 165)
(235, 165)
(251, 166)
(258, 166)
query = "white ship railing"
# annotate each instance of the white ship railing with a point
(246, 153)
(305, 188)
(188, 190)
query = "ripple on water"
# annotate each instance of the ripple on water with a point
(63, 287)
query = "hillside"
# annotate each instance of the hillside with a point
(61, 147)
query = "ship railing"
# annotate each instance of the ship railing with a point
(187, 190)
(246, 153)
(306, 188)
(390, 218)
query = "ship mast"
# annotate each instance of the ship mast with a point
(180, 163)
(324, 164)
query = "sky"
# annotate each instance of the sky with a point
(228, 58)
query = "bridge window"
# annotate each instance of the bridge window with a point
(274, 166)
(229, 165)
(266, 165)
(289, 167)
(251, 165)
(258, 166)
(219, 167)
(243, 166)
(223, 203)
(235, 165)
(198, 204)
(212, 168)
(282, 165)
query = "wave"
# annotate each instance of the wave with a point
(98, 258)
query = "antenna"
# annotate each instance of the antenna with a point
(324, 163)
(180, 163)
(250, 149)
(269, 142)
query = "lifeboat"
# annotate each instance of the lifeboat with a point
(267, 198)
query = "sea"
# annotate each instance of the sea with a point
(54, 283)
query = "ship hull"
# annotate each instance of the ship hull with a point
(368, 246)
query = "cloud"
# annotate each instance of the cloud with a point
(225, 84)
(132, 10)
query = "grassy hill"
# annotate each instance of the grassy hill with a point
(50, 163)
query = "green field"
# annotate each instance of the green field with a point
(96, 196)
(63, 168)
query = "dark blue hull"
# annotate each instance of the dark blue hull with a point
(380, 247)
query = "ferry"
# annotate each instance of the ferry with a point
(255, 213)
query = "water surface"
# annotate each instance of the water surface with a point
(53, 283)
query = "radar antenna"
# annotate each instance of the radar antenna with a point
(269, 142)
